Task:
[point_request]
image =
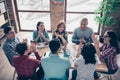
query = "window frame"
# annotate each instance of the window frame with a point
(73, 12)
(31, 11)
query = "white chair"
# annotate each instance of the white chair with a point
(118, 60)
(108, 76)
(14, 74)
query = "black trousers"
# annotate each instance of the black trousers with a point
(40, 74)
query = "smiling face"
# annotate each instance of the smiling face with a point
(41, 27)
(83, 24)
(11, 34)
(61, 28)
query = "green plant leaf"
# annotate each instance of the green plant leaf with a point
(106, 8)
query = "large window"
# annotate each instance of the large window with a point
(78, 9)
(32, 11)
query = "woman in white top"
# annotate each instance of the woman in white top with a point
(85, 63)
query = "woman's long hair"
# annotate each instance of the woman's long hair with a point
(113, 39)
(88, 52)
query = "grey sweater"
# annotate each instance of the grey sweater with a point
(86, 34)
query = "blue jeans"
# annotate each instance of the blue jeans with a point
(110, 71)
(67, 74)
(74, 74)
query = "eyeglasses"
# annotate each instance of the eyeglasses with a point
(105, 36)
(83, 24)
(12, 32)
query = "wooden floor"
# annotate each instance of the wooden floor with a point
(6, 70)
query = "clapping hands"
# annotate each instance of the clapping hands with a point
(82, 40)
(25, 40)
(40, 34)
(58, 35)
(33, 47)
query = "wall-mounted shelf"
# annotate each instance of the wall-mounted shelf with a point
(3, 22)
(4, 18)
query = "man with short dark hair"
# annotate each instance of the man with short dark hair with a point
(54, 66)
(24, 64)
(10, 43)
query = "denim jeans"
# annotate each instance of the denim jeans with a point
(74, 74)
(96, 76)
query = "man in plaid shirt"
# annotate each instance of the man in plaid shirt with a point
(24, 64)
(10, 43)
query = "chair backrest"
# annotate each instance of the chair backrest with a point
(118, 60)
(21, 77)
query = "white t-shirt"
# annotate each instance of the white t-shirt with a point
(84, 71)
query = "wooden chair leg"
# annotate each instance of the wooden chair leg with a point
(103, 77)
(109, 77)
(14, 74)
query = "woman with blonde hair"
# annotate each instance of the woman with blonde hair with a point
(61, 34)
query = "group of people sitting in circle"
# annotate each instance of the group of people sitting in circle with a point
(55, 67)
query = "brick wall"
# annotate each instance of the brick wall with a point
(10, 11)
(57, 13)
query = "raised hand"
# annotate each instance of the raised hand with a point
(33, 47)
(95, 40)
(82, 40)
(78, 52)
(60, 35)
(93, 37)
(96, 43)
(25, 40)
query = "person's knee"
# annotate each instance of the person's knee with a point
(96, 75)
(67, 73)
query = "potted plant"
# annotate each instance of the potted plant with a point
(108, 19)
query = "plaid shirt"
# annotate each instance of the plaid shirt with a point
(9, 48)
(25, 65)
(109, 54)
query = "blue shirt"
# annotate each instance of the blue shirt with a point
(35, 34)
(86, 34)
(55, 67)
(9, 48)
